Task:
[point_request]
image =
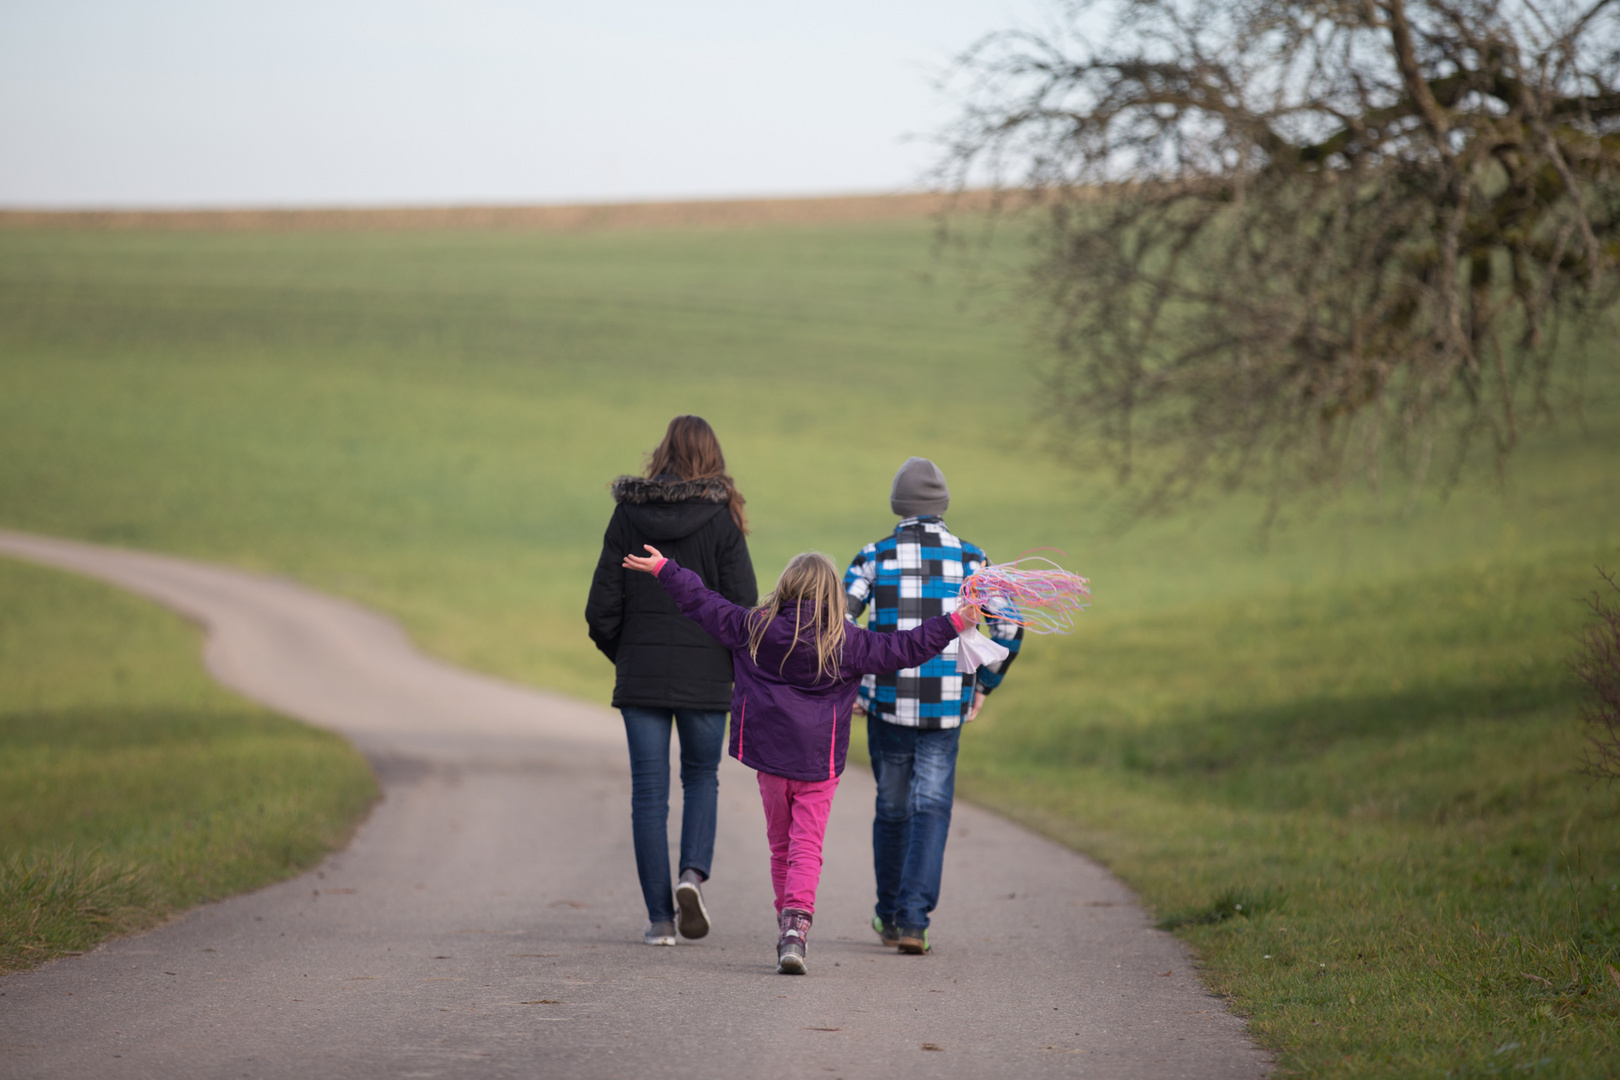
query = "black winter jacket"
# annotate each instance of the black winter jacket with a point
(663, 659)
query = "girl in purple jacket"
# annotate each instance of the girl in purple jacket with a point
(797, 665)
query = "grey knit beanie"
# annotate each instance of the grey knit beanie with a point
(919, 489)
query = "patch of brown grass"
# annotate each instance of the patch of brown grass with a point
(719, 213)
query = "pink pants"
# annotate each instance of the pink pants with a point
(795, 823)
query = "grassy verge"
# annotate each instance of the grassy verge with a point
(1360, 730)
(1358, 804)
(131, 787)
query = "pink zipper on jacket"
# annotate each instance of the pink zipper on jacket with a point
(832, 750)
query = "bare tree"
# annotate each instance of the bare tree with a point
(1280, 237)
(1597, 664)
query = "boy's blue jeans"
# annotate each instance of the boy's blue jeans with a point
(916, 784)
(703, 737)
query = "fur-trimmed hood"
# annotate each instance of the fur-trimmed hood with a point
(638, 490)
(669, 508)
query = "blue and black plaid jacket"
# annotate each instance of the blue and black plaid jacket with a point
(906, 578)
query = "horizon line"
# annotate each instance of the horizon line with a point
(708, 211)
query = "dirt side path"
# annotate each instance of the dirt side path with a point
(485, 922)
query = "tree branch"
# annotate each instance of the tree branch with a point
(1416, 86)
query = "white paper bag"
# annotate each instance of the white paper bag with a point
(973, 649)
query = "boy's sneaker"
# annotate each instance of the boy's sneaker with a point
(913, 942)
(691, 917)
(659, 933)
(790, 946)
(887, 933)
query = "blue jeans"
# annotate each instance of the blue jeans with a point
(703, 736)
(916, 784)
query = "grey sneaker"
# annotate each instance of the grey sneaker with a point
(691, 917)
(790, 946)
(887, 933)
(914, 942)
(659, 933)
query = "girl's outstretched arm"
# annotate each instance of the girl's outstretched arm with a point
(726, 622)
(870, 652)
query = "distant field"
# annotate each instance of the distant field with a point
(718, 213)
(1361, 730)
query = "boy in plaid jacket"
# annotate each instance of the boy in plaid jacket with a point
(915, 716)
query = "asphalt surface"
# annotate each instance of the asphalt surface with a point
(486, 920)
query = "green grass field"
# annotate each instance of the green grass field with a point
(131, 786)
(1361, 730)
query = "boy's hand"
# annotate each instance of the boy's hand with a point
(973, 709)
(646, 564)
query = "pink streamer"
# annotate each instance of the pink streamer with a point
(1031, 591)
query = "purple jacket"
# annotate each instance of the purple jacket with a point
(784, 720)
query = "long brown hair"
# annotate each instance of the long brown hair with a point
(691, 451)
(813, 577)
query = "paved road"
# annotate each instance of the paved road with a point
(486, 922)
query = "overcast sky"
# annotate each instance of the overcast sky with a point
(363, 102)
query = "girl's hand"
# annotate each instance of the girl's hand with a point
(969, 616)
(646, 564)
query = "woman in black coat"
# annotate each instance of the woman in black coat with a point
(670, 673)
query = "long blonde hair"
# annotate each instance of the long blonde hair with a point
(691, 451)
(813, 577)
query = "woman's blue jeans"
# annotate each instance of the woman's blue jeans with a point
(916, 785)
(703, 737)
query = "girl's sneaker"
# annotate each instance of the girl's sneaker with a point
(886, 932)
(659, 933)
(795, 926)
(914, 942)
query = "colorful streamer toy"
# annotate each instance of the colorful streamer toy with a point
(1032, 591)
